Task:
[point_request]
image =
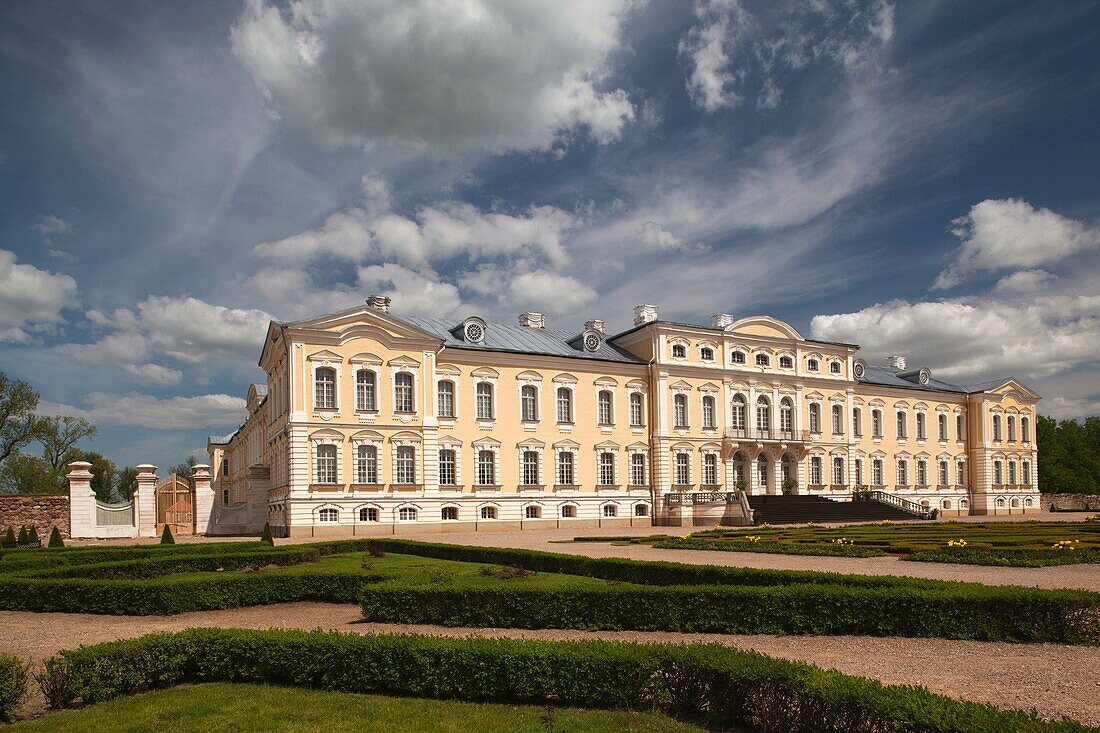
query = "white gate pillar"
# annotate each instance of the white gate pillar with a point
(203, 508)
(81, 500)
(145, 500)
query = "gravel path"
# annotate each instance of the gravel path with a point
(1057, 680)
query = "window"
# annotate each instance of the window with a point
(815, 471)
(365, 390)
(838, 419)
(680, 411)
(786, 362)
(922, 433)
(998, 473)
(683, 469)
(324, 389)
(922, 473)
(604, 414)
(566, 474)
(737, 357)
(944, 474)
(876, 472)
(528, 401)
(568, 511)
(610, 510)
(225, 497)
(996, 427)
(857, 422)
(488, 512)
(368, 514)
(641, 510)
(1012, 472)
(762, 360)
(532, 512)
(1026, 470)
(366, 464)
(403, 393)
(959, 432)
(448, 467)
(706, 353)
(328, 515)
(834, 367)
(838, 471)
(637, 413)
(607, 469)
(812, 365)
(903, 473)
(679, 351)
(530, 468)
(876, 423)
(901, 425)
(326, 464)
(1011, 429)
(708, 412)
(484, 400)
(637, 469)
(737, 413)
(786, 415)
(446, 398)
(763, 415)
(565, 405)
(225, 466)
(815, 417)
(486, 468)
(406, 465)
(710, 469)
(857, 471)
(1025, 434)
(406, 514)
(449, 513)
(943, 426)
(762, 471)
(960, 474)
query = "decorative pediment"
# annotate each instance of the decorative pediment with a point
(486, 442)
(572, 444)
(325, 356)
(529, 376)
(531, 443)
(404, 361)
(765, 326)
(607, 445)
(606, 381)
(365, 357)
(565, 379)
(680, 386)
(485, 372)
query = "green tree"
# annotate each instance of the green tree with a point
(19, 425)
(60, 434)
(104, 474)
(183, 470)
(1069, 455)
(266, 537)
(56, 540)
(9, 537)
(26, 474)
(22, 538)
(127, 482)
(166, 537)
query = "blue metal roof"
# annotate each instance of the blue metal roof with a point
(888, 377)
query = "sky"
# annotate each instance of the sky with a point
(918, 178)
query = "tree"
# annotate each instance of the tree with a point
(9, 537)
(19, 425)
(266, 537)
(183, 470)
(1069, 455)
(103, 471)
(55, 538)
(32, 536)
(166, 537)
(27, 474)
(60, 434)
(127, 482)
(22, 538)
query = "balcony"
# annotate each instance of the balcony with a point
(777, 434)
(702, 497)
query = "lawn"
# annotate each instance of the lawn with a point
(1023, 544)
(240, 708)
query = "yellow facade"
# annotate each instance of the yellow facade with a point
(373, 423)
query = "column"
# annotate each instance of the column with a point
(203, 508)
(81, 500)
(145, 500)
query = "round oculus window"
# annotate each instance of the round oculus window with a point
(591, 342)
(925, 376)
(474, 333)
(859, 370)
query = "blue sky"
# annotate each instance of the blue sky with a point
(919, 178)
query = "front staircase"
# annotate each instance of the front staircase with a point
(802, 509)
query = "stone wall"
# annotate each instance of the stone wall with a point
(1071, 502)
(44, 512)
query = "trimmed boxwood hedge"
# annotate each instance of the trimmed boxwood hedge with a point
(156, 567)
(769, 547)
(716, 686)
(13, 685)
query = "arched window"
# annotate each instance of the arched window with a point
(921, 432)
(737, 412)
(530, 468)
(706, 353)
(763, 360)
(815, 471)
(406, 514)
(403, 393)
(1012, 472)
(944, 474)
(366, 464)
(326, 464)
(857, 422)
(604, 413)
(708, 411)
(786, 467)
(529, 400)
(449, 513)
(834, 367)
(679, 351)
(680, 411)
(812, 365)
(365, 390)
(737, 357)
(683, 469)
(484, 399)
(960, 474)
(763, 414)
(786, 362)
(901, 424)
(876, 472)
(637, 409)
(762, 471)
(815, 417)
(328, 515)
(565, 405)
(943, 426)
(998, 473)
(445, 402)
(488, 512)
(368, 514)
(486, 468)
(1011, 428)
(922, 473)
(1025, 433)
(876, 423)
(710, 469)
(903, 472)
(838, 471)
(566, 474)
(1026, 469)
(786, 415)
(637, 469)
(996, 427)
(448, 467)
(324, 389)
(857, 472)
(838, 419)
(607, 469)
(405, 471)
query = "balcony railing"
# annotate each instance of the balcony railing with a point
(904, 504)
(790, 436)
(703, 497)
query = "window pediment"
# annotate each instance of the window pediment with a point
(366, 358)
(325, 356)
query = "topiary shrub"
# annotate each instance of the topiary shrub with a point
(13, 685)
(166, 537)
(22, 539)
(32, 537)
(9, 538)
(55, 538)
(266, 536)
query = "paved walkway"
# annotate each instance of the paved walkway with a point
(1058, 680)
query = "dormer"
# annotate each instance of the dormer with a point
(472, 330)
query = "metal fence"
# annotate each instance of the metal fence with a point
(114, 515)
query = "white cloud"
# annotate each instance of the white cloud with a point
(1071, 408)
(1001, 234)
(145, 411)
(1024, 281)
(30, 299)
(712, 83)
(52, 228)
(413, 293)
(191, 329)
(155, 374)
(512, 75)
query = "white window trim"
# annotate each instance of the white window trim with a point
(317, 443)
(336, 367)
(491, 381)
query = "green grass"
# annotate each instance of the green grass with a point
(1023, 544)
(240, 708)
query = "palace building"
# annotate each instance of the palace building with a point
(372, 422)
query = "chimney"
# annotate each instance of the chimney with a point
(530, 319)
(897, 362)
(594, 325)
(644, 314)
(379, 303)
(721, 320)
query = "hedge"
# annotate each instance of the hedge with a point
(989, 614)
(770, 547)
(1016, 558)
(716, 686)
(195, 563)
(13, 685)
